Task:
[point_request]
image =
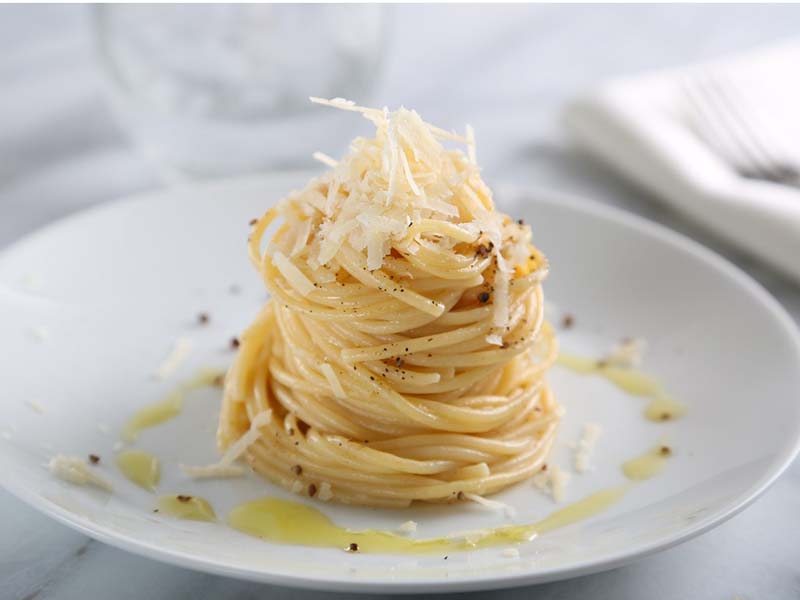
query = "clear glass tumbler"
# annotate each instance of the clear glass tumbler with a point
(219, 90)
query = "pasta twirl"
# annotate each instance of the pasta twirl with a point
(401, 355)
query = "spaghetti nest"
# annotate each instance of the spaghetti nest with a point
(402, 352)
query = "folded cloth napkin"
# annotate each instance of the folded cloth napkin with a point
(642, 126)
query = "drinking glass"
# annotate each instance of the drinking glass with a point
(218, 90)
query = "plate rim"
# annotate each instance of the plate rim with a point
(571, 202)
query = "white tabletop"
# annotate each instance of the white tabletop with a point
(507, 71)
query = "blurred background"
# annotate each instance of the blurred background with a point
(104, 101)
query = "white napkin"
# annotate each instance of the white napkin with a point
(641, 127)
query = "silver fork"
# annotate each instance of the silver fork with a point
(726, 120)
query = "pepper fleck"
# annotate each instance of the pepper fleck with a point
(353, 547)
(182, 498)
(568, 321)
(234, 343)
(312, 490)
(253, 222)
(483, 297)
(94, 459)
(202, 318)
(460, 496)
(665, 451)
(297, 469)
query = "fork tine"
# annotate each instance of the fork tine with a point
(706, 120)
(757, 129)
(742, 129)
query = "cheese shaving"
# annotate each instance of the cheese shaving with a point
(585, 446)
(552, 481)
(180, 350)
(325, 159)
(35, 406)
(471, 152)
(325, 491)
(494, 339)
(213, 471)
(407, 527)
(508, 510)
(628, 353)
(240, 446)
(75, 470)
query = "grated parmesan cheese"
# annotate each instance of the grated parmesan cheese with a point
(585, 447)
(407, 527)
(333, 380)
(213, 471)
(494, 339)
(508, 510)
(400, 191)
(35, 406)
(75, 470)
(178, 353)
(628, 353)
(510, 553)
(553, 481)
(325, 491)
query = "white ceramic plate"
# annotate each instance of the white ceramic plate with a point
(114, 287)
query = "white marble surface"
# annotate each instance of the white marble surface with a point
(507, 70)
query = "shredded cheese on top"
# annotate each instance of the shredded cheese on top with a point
(401, 193)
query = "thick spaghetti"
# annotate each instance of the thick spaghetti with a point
(402, 352)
